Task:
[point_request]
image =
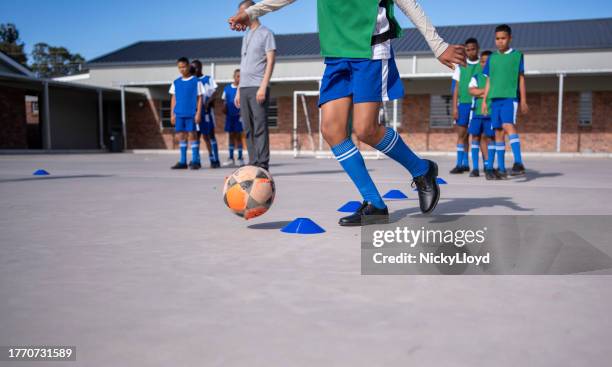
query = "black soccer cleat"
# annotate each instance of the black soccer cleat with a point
(215, 164)
(475, 173)
(466, 168)
(428, 189)
(490, 175)
(501, 175)
(456, 170)
(180, 165)
(365, 215)
(517, 169)
(195, 165)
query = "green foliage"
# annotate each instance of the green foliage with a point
(10, 43)
(49, 61)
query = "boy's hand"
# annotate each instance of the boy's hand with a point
(237, 100)
(261, 95)
(453, 55)
(239, 22)
(455, 114)
(524, 108)
(485, 109)
(173, 120)
(198, 118)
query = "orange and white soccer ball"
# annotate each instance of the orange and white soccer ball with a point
(249, 191)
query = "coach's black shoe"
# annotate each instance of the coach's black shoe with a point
(475, 173)
(457, 170)
(501, 175)
(517, 170)
(366, 214)
(427, 186)
(180, 165)
(215, 164)
(195, 165)
(490, 175)
(466, 168)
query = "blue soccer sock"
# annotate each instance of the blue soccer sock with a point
(394, 147)
(231, 151)
(515, 143)
(350, 159)
(183, 149)
(490, 155)
(466, 157)
(240, 151)
(195, 152)
(215, 149)
(500, 149)
(475, 153)
(460, 153)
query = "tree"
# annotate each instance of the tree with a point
(10, 43)
(50, 61)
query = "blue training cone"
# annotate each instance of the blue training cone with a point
(302, 226)
(350, 207)
(41, 172)
(395, 195)
(441, 181)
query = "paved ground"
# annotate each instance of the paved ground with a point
(137, 265)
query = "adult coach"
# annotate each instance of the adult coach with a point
(256, 65)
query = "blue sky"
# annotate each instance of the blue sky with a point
(96, 27)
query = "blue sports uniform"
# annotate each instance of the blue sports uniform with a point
(186, 92)
(503, 110)
(207, 124)
(233, 122)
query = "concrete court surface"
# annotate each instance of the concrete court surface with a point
(138, 265)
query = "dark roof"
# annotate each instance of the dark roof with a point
(535, 36)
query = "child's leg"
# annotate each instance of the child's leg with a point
(475, 150)
(183, 147)
(333, 125)
(515, 142)
(238, 144)
(206, 139)
(461, 144)
(484, 142)
(231, 139)
(466, 142)
(385, 139)
(500, 149)
(195, 147)
(213, 144)
(491, 153)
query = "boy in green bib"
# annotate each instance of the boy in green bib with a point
(506, 89)
(360, 73)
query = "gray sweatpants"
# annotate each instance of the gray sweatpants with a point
(255, 120)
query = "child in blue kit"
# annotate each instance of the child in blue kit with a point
(186, 105)
(233, 122)
(206, 127)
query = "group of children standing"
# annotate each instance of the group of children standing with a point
(487, 93)
(193, 115)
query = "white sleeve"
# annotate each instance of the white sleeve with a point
(473, 82)
(171, 91)
(213, 86)
(457, 74)
(266, 6)
(223, 95)
(416, 14)
(201, 90)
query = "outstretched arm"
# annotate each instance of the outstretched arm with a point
(241, 20)
(448, 55)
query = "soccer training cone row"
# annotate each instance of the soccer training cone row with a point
(302, 226)
(395, 195)
(41, 172)
(350, 207)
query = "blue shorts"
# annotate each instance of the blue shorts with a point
(465, 110)
(481, 125)
(364, 79)
(207, 124)
(503, 111)
(233, 124)
(184, 124)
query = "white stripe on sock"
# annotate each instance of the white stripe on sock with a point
(348, 156)
(392, 144)
(346, 153)
(517, 140)
(500, 148)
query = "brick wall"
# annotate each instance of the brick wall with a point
(537, 129)
(13, 128)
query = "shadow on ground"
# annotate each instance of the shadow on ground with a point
(45, 178)
(269, 225)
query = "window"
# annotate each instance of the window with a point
(585, 109)
(386, 114)
(34, 106)
(273, 112)
(165, 114)
(441, 111)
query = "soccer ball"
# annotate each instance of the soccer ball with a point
(249, 191)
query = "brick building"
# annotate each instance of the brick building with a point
(567, 59)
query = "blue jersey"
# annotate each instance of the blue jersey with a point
(210, 87)
(186, 92)
(229, 94)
